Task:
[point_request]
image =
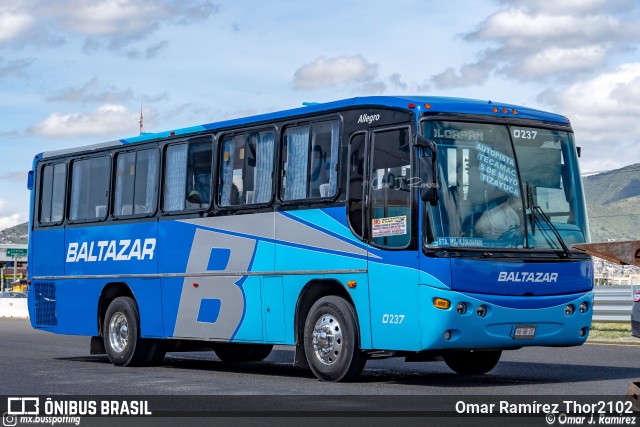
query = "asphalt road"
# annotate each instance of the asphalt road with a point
(35, 362)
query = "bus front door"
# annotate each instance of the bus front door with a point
(393, 261)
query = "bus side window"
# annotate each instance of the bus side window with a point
(89, 188)
(356, 188)
(310, 159)
(136, 183)
(246, 169)
(390, 192)
(187, 178)
(53, 185)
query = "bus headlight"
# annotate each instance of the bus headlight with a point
(569, 309)
(584, 306)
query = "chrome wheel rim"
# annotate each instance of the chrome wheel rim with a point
(327, 339)
(118, 332)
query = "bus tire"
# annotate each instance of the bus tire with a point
(231, 352)
(467, 362)
(121, 333)
(331, 340)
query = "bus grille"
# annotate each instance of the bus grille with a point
(45, 293)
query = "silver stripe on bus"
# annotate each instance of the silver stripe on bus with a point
(203, 274)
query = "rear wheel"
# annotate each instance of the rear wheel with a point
(121, 336)
(231, 352)
(468, 362)
(331, 340)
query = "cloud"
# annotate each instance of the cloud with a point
(15, 68)
(396, 81)
(572, 6)
(107, 120)
(106, 24)
(14, 25)
(331, 72)
(8, 218)
(604, 112)
(548, 41)
(15, 176)
(147, 53)
(95, 92)
(92, 91)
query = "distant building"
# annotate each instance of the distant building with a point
(13, 264)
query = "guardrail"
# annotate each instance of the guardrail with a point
(612, 303)
(14, 307)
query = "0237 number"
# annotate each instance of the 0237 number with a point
(393, 319)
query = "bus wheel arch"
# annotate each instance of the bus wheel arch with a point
(119, 322)
(110, 292)
(313, 292)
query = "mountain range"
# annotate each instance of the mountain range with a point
(613, 206)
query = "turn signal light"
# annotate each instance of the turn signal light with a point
(352, 284)
(441, 303)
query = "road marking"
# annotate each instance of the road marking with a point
(612, 345)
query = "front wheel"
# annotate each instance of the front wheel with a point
(469, 362)
(331, 340)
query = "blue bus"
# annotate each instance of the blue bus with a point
(419, 227)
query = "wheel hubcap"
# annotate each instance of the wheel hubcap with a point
(118, 332)
(327, 339)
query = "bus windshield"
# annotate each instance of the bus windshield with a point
(491, 174)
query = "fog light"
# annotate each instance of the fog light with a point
(461, 308)
(568, 310)
(441, 303)
(582, 332)
(584, 306)
(447, 335)
(481, 311)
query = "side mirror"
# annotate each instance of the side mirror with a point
(428, 169)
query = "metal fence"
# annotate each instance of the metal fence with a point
(612, 303)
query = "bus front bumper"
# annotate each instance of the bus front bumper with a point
(503, 322)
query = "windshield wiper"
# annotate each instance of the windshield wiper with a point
(535, 209)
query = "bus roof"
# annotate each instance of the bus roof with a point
(419, 104)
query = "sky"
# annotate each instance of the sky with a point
(78, 72)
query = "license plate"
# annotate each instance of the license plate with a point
(524, 332)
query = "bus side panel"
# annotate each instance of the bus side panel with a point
(175, 239)
(292, 259)
(395, 320)
(314, 241)
(47, 255)
(77, 306)
(264, 305)
(46, 258)
(207, 304)
(115, 250)
(148, 294)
